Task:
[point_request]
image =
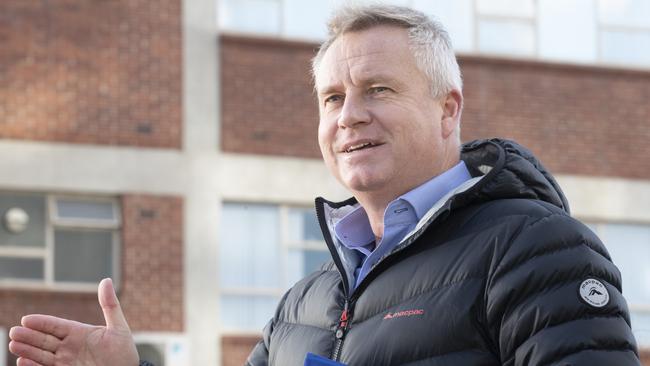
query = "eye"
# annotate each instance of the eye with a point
(378, 89)
(333, 98)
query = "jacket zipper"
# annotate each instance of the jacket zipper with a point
(346, 314)
(341, 330)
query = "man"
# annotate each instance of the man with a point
(446, 255)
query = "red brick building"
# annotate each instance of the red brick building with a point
(138, 137)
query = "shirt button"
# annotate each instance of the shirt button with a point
(400, 210)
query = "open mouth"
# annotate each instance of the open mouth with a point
(361, 146)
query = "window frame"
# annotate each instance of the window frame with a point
(171, 342)
(285, 245)
(46, 252)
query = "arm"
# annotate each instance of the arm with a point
(534, 308)
(52, 341)
(260, 354)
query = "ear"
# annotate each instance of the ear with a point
(452, 105)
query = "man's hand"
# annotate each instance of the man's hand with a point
(44, 340)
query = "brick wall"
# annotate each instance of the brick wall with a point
(153, 262)
(99, 72)
(235, 349)
(579, 120)
(268, 106)
(584, 120)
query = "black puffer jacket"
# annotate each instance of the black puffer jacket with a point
(497, 274)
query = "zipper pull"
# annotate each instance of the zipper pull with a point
(343, 323)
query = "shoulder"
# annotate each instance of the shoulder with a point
(320, 290)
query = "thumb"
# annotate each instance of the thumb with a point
(111, 306)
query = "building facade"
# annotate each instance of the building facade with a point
(172, 146)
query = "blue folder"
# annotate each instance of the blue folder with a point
(316, 360)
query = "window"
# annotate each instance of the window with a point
(625, 47)
(250, 16)
(630, 13)
(457, 16)
(506, 27)
(520, 8)
(629, 247)
(57, 241)
(513, 37)
(162, 349)
(624, 31)
(263, 250)
(567, 30)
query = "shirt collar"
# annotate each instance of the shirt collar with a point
(354, 231)
(423, 197)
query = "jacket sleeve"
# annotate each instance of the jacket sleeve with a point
(260, 354)
(534, 308)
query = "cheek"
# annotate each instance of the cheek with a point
(325, 140)
(326, 133)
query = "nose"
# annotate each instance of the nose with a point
(354, 112)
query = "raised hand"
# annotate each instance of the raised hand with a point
(45, 340)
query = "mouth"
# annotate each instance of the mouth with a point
(350, 148)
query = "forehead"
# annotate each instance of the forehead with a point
(382, 50)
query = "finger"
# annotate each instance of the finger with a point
(111, 306)
(32, 353)
(57, 327)
(35, 338)
(25, 362)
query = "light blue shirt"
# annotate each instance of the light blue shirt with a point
(400, 218)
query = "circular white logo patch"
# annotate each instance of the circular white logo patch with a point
(594, 293)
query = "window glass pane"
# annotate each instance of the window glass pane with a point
(303, 262)
(641, 328)
(249, 246)
(34, 233)
(255, 16)
(567, 30)
(524, 8)
(78, 209)
(629, 246)
(21, 268)
(457, 16)
(624, 12)
(247, 312)
(626, 47)
(306, 19)
(303, 225)
(506, 37)
(82, 256)
(154, 353)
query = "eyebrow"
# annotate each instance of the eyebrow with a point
(330, 88)
(375, 79)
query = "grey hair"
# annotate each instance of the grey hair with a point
(428, 39)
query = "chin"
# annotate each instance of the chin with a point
(364, 183)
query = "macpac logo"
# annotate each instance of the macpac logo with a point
(403, 313)
(594, 293)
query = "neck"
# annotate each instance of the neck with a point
(375, 202)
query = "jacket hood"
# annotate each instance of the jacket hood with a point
(511, 171)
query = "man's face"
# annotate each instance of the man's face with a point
(380, 128)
